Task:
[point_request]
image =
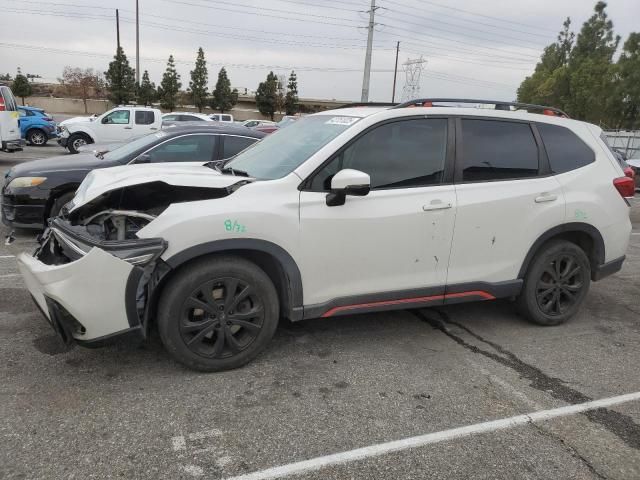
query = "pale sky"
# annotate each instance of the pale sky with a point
(473, 49)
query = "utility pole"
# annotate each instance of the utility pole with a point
(118, 28)
(395, 74)
(137, 44)
(367, 58)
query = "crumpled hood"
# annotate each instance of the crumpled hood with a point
(191, 174)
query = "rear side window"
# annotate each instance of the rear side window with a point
(144, 117)
(226, 118)
(190, 118)
(234, 145)
(496, 150)
(566, 151)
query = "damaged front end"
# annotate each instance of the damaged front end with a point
(92, 275)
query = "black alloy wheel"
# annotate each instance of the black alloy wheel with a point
(556, 283)
(559, 285)
(221, 318)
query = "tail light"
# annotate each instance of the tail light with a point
(628, 172)
(2, 107)
(47, 119)
(626, 186)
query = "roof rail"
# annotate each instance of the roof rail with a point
(499, 105)
(366, 104)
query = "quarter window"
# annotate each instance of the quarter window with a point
(408, 153)
(189, 148)
(234, 145)
(144, 117)
(496, 150)
(566, 151)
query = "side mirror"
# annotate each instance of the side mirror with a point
(106, 120)
(348, 182)
(144, 158)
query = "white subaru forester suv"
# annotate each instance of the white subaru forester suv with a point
(347, 211)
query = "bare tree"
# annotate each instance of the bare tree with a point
(82, 83)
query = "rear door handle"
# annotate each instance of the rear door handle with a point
(546, 197)
(153, 128)
(436, 205)
(128, 128)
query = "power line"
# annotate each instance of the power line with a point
(442, 22)
(439, 5)
(436, 16)
(441, 75)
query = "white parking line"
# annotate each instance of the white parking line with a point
(437, 437)
(7, 256)
(10, 275)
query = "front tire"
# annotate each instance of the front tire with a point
(37, 137)
(218, 313)
(76, 141)
(58, 203)
(556, 284)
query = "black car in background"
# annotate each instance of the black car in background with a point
(34, 191)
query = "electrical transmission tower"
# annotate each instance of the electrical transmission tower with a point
(413, 74)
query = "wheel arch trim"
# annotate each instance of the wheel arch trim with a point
(573, 227)
(279, 254)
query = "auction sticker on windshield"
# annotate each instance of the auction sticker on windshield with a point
(342, 121)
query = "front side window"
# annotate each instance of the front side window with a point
(408, 153)
(118, 117)
(190, 148)
(565, 150)
(144, 117)
(234, 145)
(497, 150)
(281, 153)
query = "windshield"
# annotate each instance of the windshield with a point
(282, 152)
(123, 152)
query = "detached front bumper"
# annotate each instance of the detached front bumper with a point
(85, 300)
(87, 293)
(62, 141)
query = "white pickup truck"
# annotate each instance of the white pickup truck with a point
(119, 124)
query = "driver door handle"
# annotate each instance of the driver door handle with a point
(128, 128)
(546, 197)
(436, 205)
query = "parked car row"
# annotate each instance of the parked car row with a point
(348, 211)
(34, 191)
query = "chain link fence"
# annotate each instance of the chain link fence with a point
(625, 141)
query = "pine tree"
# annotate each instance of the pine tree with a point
(628, 87)
(199, 80)
(21, 86)
(223, 98)
(267, 95)
(591, 71)
(170, 86)
(291, 98)
(120, 79)
(146, 90)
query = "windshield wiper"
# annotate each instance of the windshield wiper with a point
(235, 171)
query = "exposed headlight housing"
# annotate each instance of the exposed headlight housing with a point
(135, 251)
(25, 182)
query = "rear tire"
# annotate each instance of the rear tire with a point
(58, 203)
(77, 140)
(218, 313)
(37, 137)
(556, 284)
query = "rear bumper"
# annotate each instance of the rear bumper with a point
(13, 144)
(609, 268)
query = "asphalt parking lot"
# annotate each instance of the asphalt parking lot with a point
(328, 386)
